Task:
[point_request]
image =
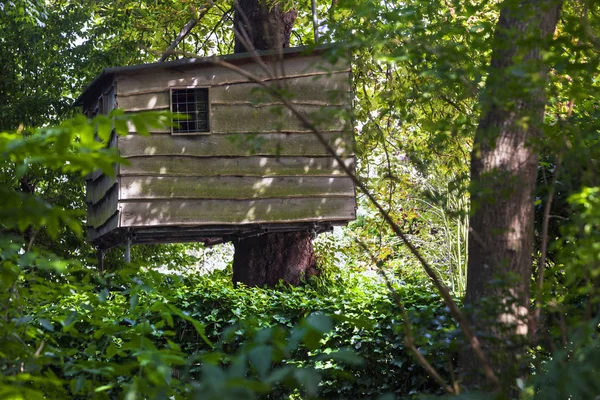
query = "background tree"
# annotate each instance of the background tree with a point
(504, 164)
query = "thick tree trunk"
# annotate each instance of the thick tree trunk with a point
(503, 174)
(266, 259)
(263, 26)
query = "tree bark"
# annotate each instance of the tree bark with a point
(266, 27)
(503, 177)
(266, 259)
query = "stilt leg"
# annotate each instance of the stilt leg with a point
(128, 250)
(101, 260)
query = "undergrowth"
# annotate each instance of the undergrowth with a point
(136, 332)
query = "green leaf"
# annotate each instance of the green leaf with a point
(309, 379)
(103, 295)
(79, 383)
(261, 358)
(344, 355)
(46, 324)
(133, 301)
(103, 388)
(70, 319)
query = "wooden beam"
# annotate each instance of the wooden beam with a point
(256, 166)
(235, 145)
(230, 187)
(215, 212)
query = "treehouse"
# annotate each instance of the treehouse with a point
(240, 164)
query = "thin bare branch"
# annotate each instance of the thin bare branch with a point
(409, 339)
(242, 35)
(185, 31)
(544, 249)
(458, 315)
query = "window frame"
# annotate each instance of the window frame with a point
(208, 105)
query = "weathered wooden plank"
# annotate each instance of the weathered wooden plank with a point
(234, 166)
(326, 89)
(96, 190)
(244, 118)
(99, 213)
(146, 101)
(320, 89)
(110, 225)
(94, 176)
(108, 101)
(247, 118)
(280, 144)
(211, 75)
(163, 131)
(144, 187)
(198, 212)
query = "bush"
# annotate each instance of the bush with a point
(136, 331)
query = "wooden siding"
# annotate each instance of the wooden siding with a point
(213, 75)
(333, 90)
(198, 212)
(244, 118)
(233, 166)
(98, 184)
(236, 118)
(109, 226)
(273, 144)
(258, 165)
(136, 188)
(102, 191)
(100, 212)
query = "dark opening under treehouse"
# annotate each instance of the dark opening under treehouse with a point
(241, 164)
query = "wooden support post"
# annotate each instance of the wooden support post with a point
(128, 250)
(101, 260)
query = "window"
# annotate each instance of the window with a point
(194, 103)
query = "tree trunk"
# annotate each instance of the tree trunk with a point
(263, 26)
(266, 259)
(503, 176)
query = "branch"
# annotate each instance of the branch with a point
(460, 318)
(185, 31)
(214, 29)
(544, 249)
(409, 339)
(535, 322)
(315, 20)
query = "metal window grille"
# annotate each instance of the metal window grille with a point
(194, 104)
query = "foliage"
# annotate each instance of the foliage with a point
(71, 332)
(138, 331)
(418, 69)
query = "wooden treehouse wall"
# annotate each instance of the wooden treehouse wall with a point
(102, 191)
(258, 163)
